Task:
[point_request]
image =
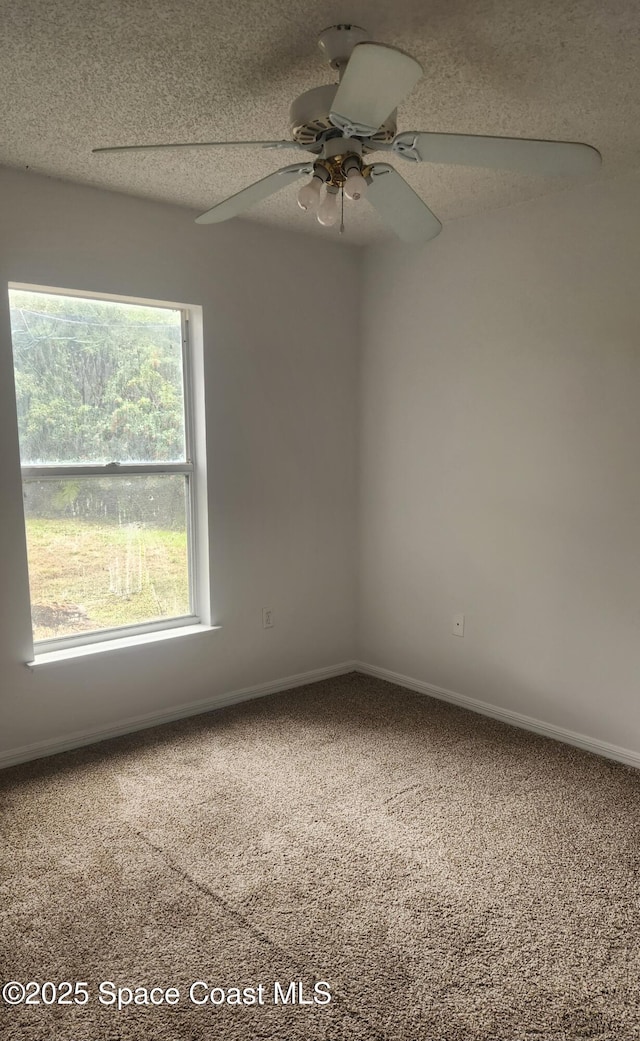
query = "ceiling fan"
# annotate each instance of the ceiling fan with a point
(342, 125)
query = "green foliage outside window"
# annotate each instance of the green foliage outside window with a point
(96, 381)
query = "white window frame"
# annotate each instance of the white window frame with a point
(192, 468)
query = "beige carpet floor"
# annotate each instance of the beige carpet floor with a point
(450, 878)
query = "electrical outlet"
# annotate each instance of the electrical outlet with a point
(267, 618)
(457, 625)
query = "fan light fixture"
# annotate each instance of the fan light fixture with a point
(339, 124)
(337, 174)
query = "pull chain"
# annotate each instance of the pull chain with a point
(342, 209)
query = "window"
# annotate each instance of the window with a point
(106, 447)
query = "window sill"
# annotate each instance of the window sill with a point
(122, 643)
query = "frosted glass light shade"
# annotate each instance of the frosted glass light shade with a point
(328, 209)
(355, 186)
(309, 194)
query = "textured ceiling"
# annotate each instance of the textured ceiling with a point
(77, 74)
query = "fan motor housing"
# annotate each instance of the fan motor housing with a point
(310, 124)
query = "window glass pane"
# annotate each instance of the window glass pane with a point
(97, 381)
(106, 552)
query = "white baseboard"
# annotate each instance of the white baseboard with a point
(80, 738)
(505, 715)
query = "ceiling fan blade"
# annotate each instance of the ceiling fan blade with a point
(377, 78)
(399, 206)
(248, 197)
(202, 144)
(507, 153)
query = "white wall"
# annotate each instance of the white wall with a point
(281, 443)
(498, 447)
(500, 460)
